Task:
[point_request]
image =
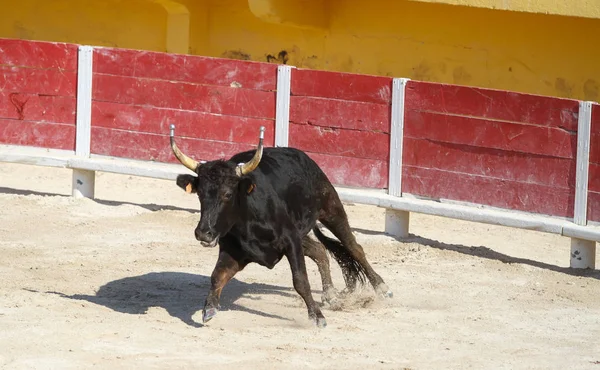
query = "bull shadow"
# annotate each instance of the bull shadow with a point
(180, 294)
(485, 252)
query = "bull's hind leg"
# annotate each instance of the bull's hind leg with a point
(333, 216)
(295, 257)
(224, 270)
(316, 252)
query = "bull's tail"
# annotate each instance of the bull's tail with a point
(351, 269)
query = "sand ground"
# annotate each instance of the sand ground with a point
(119, 282)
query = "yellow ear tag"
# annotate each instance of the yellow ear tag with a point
(251, 188)
(188, 188)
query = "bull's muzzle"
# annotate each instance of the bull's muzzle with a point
(206, 238)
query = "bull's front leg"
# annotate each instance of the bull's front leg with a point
(295, 256)
(224, 270)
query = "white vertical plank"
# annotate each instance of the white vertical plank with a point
(583, 162)
(397, 136)
(84, 100)
(583, 254)
(397, 223)
(282, 113)
(83, 182)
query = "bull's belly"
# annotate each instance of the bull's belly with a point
(264, 257)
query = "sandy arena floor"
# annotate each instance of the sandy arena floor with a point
(119, 282)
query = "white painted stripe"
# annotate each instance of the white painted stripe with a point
(156, 170)
(461, 212)
(583, 162)
(396, 136)
(35, 155)
(84, 100)
(591, 233)
(282, 113)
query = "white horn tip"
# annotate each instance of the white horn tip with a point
(262, 132)
(172, 129)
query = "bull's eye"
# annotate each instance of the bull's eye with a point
(227, 195)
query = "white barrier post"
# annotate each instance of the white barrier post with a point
(583, 252)
(282, 111)
(84, 181)
(397, 222)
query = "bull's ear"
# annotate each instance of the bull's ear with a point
(246, 186)
(188, 183)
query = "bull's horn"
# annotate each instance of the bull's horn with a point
(184, 159)
(246, 168)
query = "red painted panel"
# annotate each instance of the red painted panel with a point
(492, 104)
(152, 147)
(37, 81)
(180, 95)
(340, 114)
(342, 86)
(36, 54)
(595, 135)
(484, 190)
(594, 192)
(33, 107)
(490, 134)
(348, 171)
(347, 143)
(594, 177)
(499, 164)
(340, 170)
(45, 135)
(188, 123)
(595, 118)
(595, 148)
(188, 68)
(594, 206)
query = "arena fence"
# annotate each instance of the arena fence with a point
(481, 155)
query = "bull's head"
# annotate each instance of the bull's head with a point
(221, 187)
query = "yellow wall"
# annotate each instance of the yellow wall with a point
(470, 45)
(577, 8)
(125, 23)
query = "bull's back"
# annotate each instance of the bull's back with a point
(284, 166)
(295, 178)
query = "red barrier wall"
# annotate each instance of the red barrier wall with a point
(342, 121)
(497, 148)
(490, 147)
(594, 175)
(218, 105)
(38, 83)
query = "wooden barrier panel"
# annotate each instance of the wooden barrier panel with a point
(342, 121)
(594, 174)
(496, 148)
(38, 82)
(218, 105)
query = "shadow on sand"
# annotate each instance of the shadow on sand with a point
(487, 253)
(180, 294)
(150, 207)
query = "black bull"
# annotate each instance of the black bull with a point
(259, 206)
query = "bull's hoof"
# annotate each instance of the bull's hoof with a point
(329, 296)
(208, 313)
(384, 291)
(346, 292)
(388, 294)
(321, 322)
